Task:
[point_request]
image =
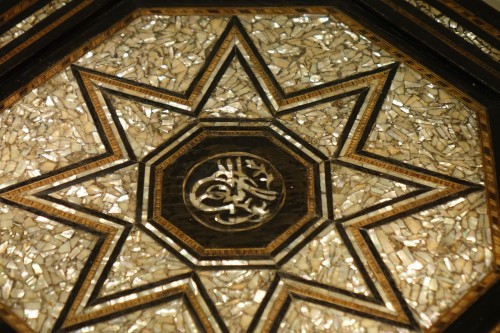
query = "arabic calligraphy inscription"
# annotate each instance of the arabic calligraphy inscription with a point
(234, 191)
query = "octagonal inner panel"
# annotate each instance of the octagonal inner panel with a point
(233, 169)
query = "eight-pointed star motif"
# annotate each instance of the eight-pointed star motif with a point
(234, 48)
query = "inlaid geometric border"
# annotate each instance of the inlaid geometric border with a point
(24, 44)
(446, 37)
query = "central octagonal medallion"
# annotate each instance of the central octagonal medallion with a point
(227, 192)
